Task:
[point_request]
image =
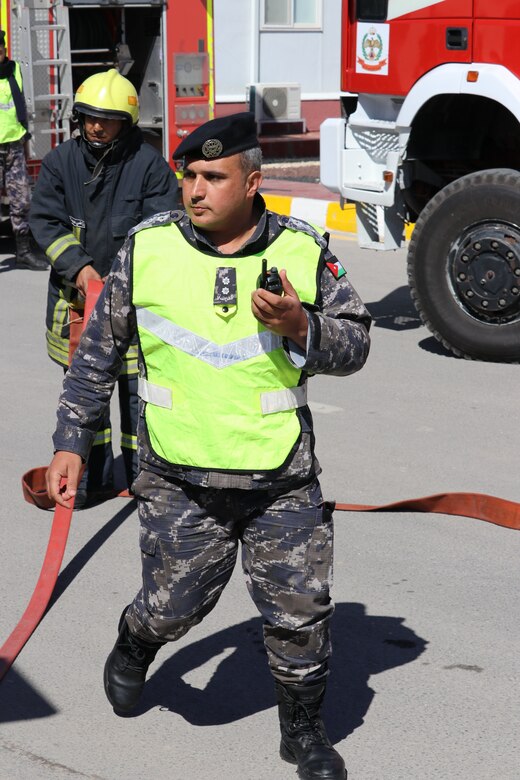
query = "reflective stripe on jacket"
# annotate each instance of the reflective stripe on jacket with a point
(220, 391)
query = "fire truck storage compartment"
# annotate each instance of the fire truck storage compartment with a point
(127, 37)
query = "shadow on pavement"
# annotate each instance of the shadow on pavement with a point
(74, 567)
(395, 311)
(7, 247)
(242, 684)
(436, 348)
(20, 701)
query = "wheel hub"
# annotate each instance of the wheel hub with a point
(484, 267)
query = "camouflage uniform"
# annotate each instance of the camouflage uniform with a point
(13, 173)
(189, 538)
(191, 519)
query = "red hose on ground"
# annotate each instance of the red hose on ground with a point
(43, 590)
(478, 505)
(55, 549)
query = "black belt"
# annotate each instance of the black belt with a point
(8, 144)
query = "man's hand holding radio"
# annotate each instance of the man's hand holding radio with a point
(283, 314)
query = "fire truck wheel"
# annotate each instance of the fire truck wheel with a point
(464, 265)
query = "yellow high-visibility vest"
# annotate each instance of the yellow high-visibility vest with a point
(220, 391)
(10, 128)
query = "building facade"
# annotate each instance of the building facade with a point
(279, 43)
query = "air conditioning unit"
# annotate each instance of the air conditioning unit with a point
(275, 102)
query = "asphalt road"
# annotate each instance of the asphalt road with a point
(424, 680)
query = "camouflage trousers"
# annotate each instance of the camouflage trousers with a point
(189, 538)
(14, 177)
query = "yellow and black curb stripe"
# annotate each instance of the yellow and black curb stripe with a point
(322, 213)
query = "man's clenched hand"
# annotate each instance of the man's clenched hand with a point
(64, 465)
(87, 273)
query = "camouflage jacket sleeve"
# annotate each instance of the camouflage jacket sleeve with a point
(338, 340)
(90, 380)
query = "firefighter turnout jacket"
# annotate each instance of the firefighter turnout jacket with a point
(81, 218)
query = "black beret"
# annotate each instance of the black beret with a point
(220, 137)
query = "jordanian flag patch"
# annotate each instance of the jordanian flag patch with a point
(336, 269)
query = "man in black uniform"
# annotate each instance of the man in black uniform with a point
(226, 443)
(91, 190)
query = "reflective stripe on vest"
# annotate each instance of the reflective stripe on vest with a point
(10, 128)
(218, 356)
(276, 401)
(220, 391)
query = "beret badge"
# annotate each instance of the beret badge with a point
(212, 148)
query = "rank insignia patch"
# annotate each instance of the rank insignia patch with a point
(225, 291)
(336, 269)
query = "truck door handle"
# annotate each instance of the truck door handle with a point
(457, 38)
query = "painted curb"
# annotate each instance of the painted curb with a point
(322, 213)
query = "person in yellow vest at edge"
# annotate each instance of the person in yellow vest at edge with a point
(225, 436)
(91, 190)
(13, 168)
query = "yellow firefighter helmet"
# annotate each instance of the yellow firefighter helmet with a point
(109, 96)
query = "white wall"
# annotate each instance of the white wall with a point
(236, 44)
(243, 54)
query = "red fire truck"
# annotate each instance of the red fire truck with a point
(430, 134)
(164, 48)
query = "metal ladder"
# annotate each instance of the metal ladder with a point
(45, 59)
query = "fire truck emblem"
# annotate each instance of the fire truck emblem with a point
(212, 148)
(372, 45)
(372, 48)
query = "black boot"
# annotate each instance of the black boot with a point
(304, 741)
(126, 667)
(26, 256)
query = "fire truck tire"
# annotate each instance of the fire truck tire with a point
(464, 265)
